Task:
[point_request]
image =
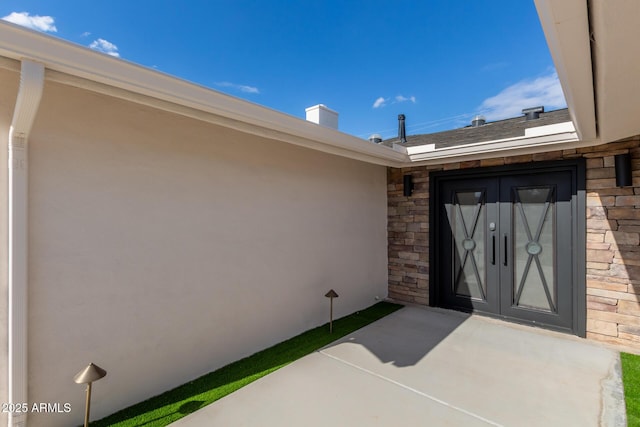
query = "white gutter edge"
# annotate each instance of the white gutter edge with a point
(514, 147)
(494, 146)
(28, 100)
(82, 65)
(83, 68)
(559, 136)
(338, 143)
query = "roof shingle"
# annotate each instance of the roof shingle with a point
(491, 131)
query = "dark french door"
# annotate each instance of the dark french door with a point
(506, 245)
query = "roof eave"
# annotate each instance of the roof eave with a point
(616, 58)
(73, 64)
(524, 145)
(566, 28)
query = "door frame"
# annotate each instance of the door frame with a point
(579, 271)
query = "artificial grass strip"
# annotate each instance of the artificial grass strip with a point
(631, 381)
(174, 404)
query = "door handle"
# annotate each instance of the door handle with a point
(505, 250)
(493, 250)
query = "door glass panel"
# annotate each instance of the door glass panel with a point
(534, 238)
(467, 216)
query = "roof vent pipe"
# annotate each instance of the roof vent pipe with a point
(402, 132)
(478, 121)
(375, 138)
(533, 113)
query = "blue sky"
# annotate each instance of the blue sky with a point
(439, 62)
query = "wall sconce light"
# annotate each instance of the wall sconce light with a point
(623, 170)
(407, 185)
(88, 375)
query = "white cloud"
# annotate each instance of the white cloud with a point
(380, 102)
(40, 23)
(241, 88)
(104, 46)
(510, 102)
(400, 98)
(85, 34)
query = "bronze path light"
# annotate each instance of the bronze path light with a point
(331, 295)
(88, 375)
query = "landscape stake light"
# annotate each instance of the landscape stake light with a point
(331, 295)
(88, 375)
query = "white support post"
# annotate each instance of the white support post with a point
(29, 95)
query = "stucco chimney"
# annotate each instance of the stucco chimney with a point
(323, 116)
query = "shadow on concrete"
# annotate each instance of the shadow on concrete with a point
(422, 331)
(163, 408)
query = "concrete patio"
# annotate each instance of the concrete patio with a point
(422, 366)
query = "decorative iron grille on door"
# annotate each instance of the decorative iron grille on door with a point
(505, 244)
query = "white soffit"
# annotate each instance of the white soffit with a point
(616, 53)
(566, 28)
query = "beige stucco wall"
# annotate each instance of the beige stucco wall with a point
(162, 247)
(9, 81)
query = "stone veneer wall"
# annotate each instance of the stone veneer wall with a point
(613, 237)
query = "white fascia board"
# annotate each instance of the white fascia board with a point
(419, 149)
(556, 128)
(566, 28)
(557, 136)
(308, 142)
(81, 67)
(116, 75)
(565, 139)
